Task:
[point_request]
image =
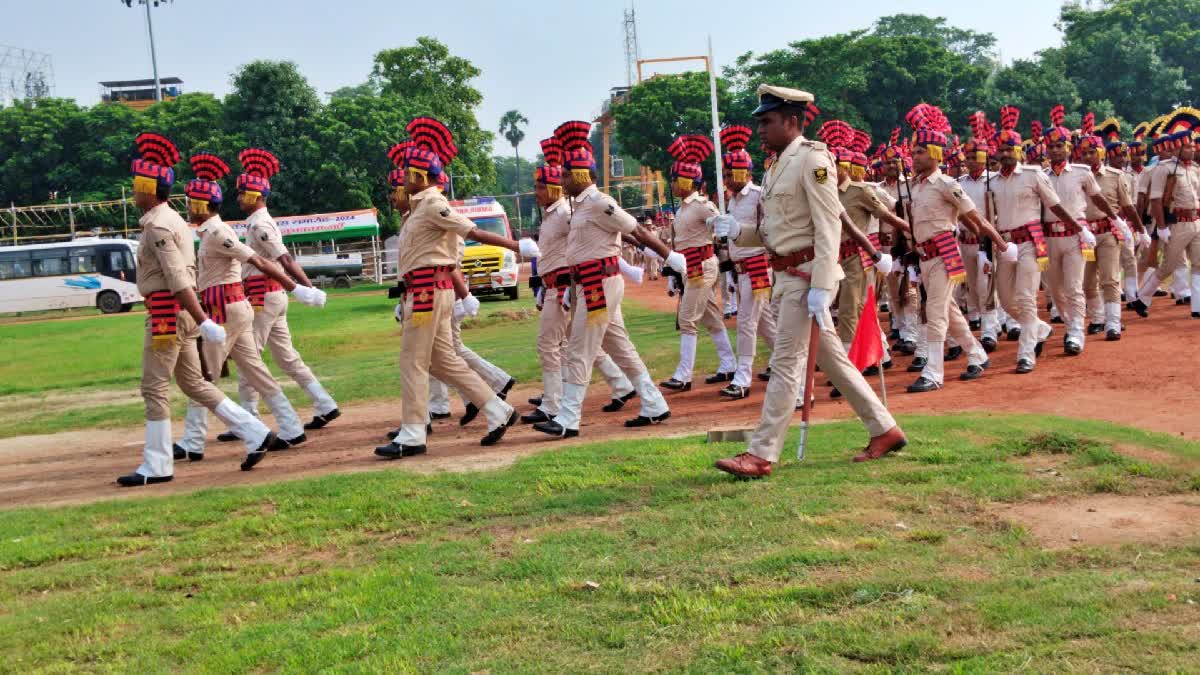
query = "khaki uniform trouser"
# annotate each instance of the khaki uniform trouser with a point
(1064, 280)
(554, 327)
(428, 349)
(181, 359)
(977, 282)
(787, 372)
(755, 319)
(271, 331)
(942, 314)
(850, 297)
(239, 346)
(492, 375)
(1017, 286)
(904, 315)
(699, 307)
(1102, 276)
(1185, 240)
(604, 332)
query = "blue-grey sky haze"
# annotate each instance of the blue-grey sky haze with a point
(551, 60)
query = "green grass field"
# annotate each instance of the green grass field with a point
(621, 557)
(352, 345)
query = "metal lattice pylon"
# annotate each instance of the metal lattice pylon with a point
(24, 74)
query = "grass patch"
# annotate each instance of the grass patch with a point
(625, 556)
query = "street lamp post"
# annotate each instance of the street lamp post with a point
(153, 54)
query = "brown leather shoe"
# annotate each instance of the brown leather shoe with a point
(745, 465)
(890, 441)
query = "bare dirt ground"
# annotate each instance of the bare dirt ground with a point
(1145, 380)
(1108, 519)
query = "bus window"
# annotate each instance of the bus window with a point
(50, 267)
(14, 265)
(83, 260)
(118, 263)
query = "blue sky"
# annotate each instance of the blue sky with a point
(552, 61)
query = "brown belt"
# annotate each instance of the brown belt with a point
(791, 262)
(1068, 229)
(1100, 226)
(968, 238)
(1186, 215)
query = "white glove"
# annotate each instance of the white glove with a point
(726, 226)
(399, 311)
(671, 286)
(567, 298)
(914, 275)
(885, 264)
(212, 332)
(529, 248)
(308, 295)
(1144, 239)
(1164, 234)
(677, 262)
(470, 305)
(631, 272)
(459, 311)
(985, 265)
(1088, 239)
(650, 253)
(819, 300)
(1010, 253)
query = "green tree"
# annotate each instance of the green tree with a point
(1035, 86)
(662, 108)
(870, 81)
(978, 49)
(1168, 28)
(510, 128)
(427, 71)
(272, 106)
(1126, 68)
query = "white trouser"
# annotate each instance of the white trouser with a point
(755, 319)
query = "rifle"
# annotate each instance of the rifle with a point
(1169, 193)
(909, 255)
(678, 277)
(985, 243)
(203, 366)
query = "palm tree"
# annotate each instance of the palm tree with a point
(510, 128)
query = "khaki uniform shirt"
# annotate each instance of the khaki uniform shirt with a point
(166, 255)
(1184, 194)
(1020, 197)
(744, 206)
(896, 192)
(1074, 187)
(976, 189)
(552, 237)
(1113, 188)
(691, 230)
(862, 204)
(596, 227)
(264, 237)
(1141, 181)
(221, 254)
(938, 201)
(801, 210)
(432, 233)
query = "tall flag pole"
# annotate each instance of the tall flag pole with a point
(716, 126)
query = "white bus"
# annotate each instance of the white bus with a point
(86, 272)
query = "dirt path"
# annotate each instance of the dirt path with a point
(1137, 381)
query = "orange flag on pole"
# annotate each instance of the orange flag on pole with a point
(867, 347)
